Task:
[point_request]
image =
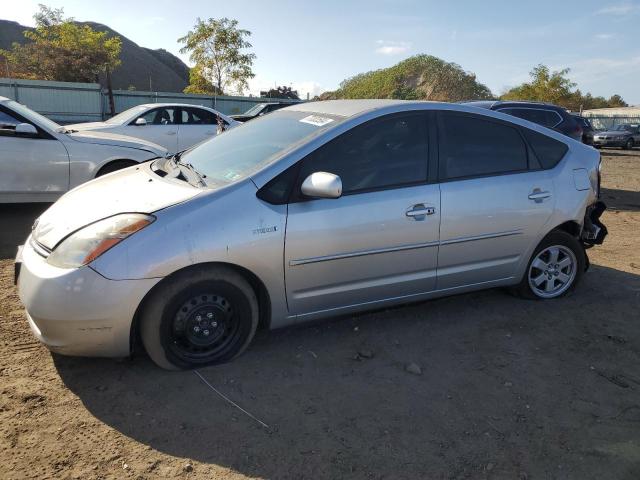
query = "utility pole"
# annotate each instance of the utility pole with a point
(112, 105)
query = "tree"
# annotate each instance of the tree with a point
(216, 47)
(60, 49)
(198, 84)
(555, 87)
(281, 92)
(421, 77)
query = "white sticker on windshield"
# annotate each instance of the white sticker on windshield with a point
(316, 120)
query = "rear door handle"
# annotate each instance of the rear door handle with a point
(419, 211)
(538, 195)
(172, 133)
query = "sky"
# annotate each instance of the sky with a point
(313, 46)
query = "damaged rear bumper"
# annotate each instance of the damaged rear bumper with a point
(594, 231)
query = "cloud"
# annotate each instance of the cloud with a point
(386, 47)
(308, 86)
(604, 36)
(620, 9)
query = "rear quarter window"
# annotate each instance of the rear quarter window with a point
(549, 151)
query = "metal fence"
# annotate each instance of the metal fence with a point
(606, 122)
(67, 102)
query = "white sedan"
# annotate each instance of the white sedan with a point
(174, 126)
(41, 160)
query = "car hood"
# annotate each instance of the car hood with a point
(104, 138)
(613, 132)
(81, 127)
(132, 190)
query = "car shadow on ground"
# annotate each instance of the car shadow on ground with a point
(510, 388)
(16, 220)
(622, 200)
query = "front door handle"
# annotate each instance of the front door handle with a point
(538, 195)
(419, 211)
(171, 133)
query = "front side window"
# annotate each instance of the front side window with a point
(7, 121)
(160, 116)
(472, 146)
(382, 153)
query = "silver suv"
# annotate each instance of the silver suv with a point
(315, 210)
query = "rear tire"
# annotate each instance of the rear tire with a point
(201, 317)
(629, 144)
(115, 166)
(555, 268)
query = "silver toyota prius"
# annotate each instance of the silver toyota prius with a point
(315, 210)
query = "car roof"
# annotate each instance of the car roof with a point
(4, 99)
(346, 108)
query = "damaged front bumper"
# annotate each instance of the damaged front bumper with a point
(594, 231)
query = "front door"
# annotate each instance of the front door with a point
(32, 168)
(494, 204)
(161, 127)
(379, 241)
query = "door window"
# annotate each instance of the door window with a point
(7, 121)
(198, 116)
(472, 146)
(383, 153)
(160, 116)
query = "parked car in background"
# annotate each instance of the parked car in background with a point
(626, 136)
(545, 114)
(312, 211)
(587, 129)
(174, 126)
(259, 110)
(40, 160)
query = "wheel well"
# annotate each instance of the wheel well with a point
(264, 302)
(113, 165)
(571, 227)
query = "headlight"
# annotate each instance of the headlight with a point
(90, 242)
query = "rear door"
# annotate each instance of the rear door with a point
(495, 199)
(32, 168)
(379, 240)
(196, 125)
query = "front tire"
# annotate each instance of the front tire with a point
(629, 144)
(115, 166)
(555, 268)
(200, 317)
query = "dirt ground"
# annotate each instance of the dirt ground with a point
(509, 389)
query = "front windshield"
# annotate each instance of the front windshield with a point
(120, 118)
(245, 149)
(35, 117)
(624, 128)
(255, 109)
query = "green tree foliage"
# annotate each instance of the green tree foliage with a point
(217, 49)
(198, 84)
(60, 49)
(281, 92)
(555, 87)
(421, 77)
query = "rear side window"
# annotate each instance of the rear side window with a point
(383, 153)
(549, 151)
(472, 146)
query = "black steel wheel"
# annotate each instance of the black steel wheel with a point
(205, 317)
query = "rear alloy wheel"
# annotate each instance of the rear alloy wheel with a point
(202, 317)
(554, 269)
(629, 144)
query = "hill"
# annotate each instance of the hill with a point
(421, 77)
(141, 67)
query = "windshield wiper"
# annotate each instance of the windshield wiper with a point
(175, 159)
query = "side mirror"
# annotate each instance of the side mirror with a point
(140, 122)
(26, 129)
(322, 185)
